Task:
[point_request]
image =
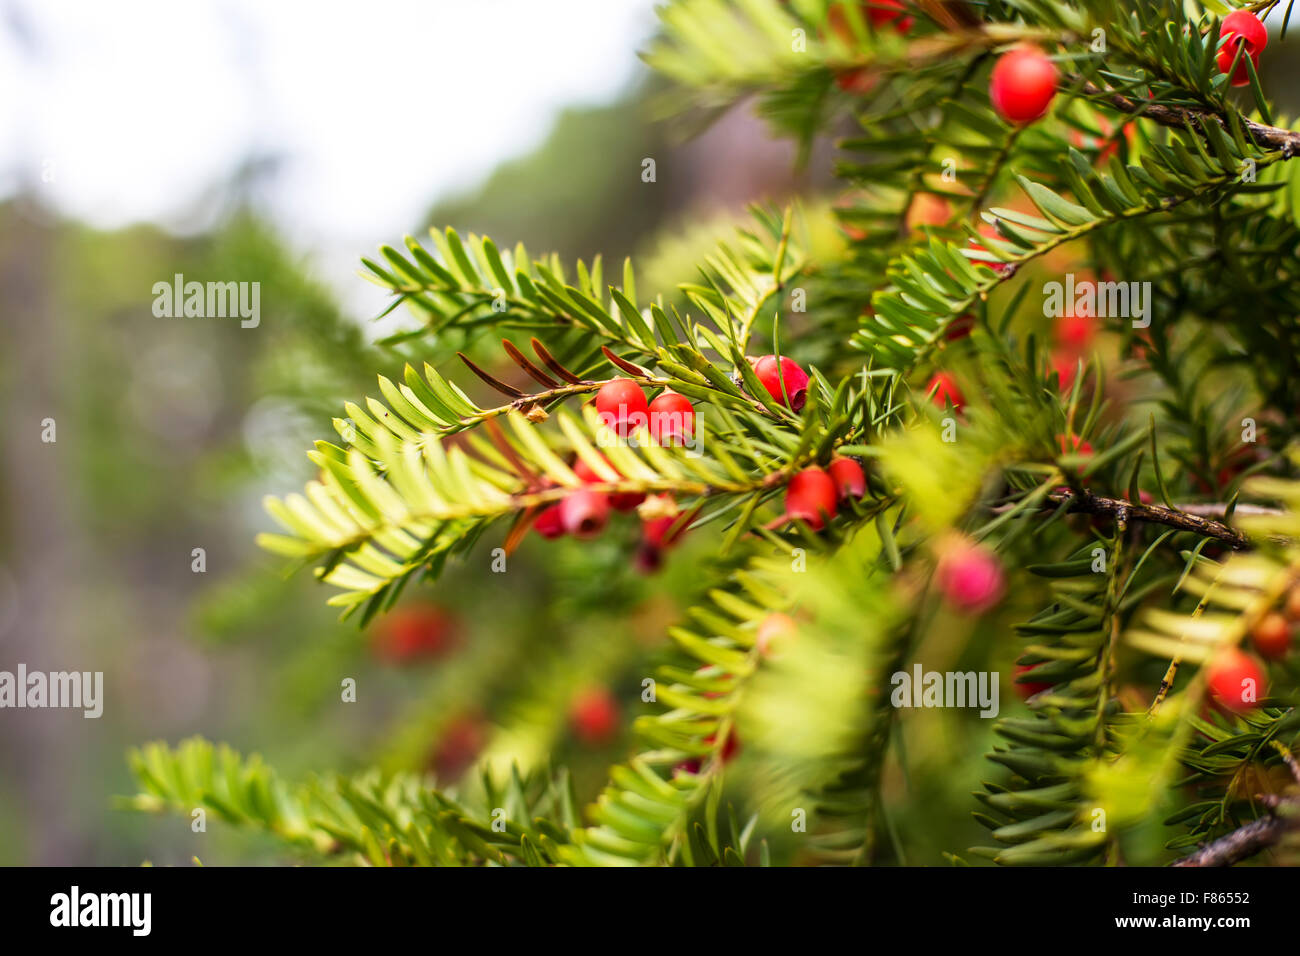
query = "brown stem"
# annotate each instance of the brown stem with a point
(1086, 502)
(1179, 117)
(1242, 843)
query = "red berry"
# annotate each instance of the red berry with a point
(621, 405)
(1065, 363)
(960, 327)
(850, 482)
(1075, 332)
(879, 12)
(810, 497)
(626, 500)
(775, 630)
(549, 523)
(1030, 689)
(791, 375)
(459, 744)
(945, 390)
(991, 231)
(860, 81)
(969, 576)
(414, 631)
(619, 501)
(654, 530)
(1235, 680)
(647, 558)
(730, 747)
(593, 715)
(1240, 28)
(927, 209)
(584, 513)
(1023, 84)
(1272, 636)
(1077, 445)
(1107, 143)
(672, 418)
(888, 11)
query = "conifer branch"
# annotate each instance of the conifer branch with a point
(1086, 502)
(1248, 840)
(1180, 117)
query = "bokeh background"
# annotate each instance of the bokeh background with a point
(235, 140)
(278, 143)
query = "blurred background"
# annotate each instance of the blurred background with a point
(279, 143)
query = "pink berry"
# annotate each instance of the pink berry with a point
(794, 378)
(969, 576)
(621, 405)
(775, 630)
(1023, 84)
(584, 513)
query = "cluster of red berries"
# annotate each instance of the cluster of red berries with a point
(583, 513)
(813, 494)
(621, 406)
(414, 632)
(1241, 28)
(881, 13)
(1023, 82)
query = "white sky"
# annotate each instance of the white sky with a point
(132, 109)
